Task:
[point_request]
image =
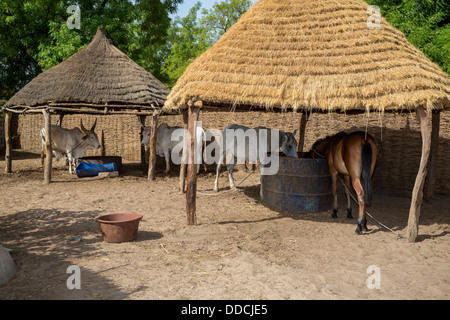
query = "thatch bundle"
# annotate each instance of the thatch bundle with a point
(314, 55)
(99, 74)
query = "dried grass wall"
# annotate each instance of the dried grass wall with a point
(397, 165)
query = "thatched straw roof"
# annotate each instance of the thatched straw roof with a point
(312, 54)
(98, 75)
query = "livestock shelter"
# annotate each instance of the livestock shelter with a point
(315, 56)
(97, 80)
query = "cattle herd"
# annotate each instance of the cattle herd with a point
(242, 143)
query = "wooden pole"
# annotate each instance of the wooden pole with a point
(8, 142)
(48, 148)
(142, 122)
(303, 121)
(431, 176)
(184, 154)
(191, 192)
(417, 194)
(102, 143)
(152, 157)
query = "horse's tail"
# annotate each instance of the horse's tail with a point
(366, 157)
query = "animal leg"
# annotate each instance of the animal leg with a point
(167, 158)
(347, 194)
(69, 157)
(216, 183)
(230, 168)
(219, 165)
(334, 176)
(362, 221)
(261, 194)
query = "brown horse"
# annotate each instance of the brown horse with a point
(354, 155)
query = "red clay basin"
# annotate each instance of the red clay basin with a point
(119, 227)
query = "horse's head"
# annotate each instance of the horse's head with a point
(289, 144)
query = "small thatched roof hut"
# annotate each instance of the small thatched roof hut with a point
(99, 79)
(315, 55)
(97, 76)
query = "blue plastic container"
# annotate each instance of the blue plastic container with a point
(92, 169)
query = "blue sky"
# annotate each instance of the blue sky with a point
(184, 7)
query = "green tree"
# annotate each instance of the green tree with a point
(187, 40)
(222, 16)
(192, 35)
(425, 23)
(34, 36)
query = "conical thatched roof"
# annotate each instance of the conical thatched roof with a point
(100, 74)
(312, 54)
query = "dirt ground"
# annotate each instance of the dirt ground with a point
(240, 249)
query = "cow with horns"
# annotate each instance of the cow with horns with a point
(72, 143)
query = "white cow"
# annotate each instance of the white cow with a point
(244, 149)
(71, 142)
(165, 144)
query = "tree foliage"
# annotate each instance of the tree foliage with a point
(425, 23)
(34, 35)
(192, 35)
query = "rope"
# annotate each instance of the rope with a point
(381, 224)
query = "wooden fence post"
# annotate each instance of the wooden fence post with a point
(184, 153)
(152, 157)
(417, 194)
(191, 192)
(8, 142)
(48, 147)
(302, 129)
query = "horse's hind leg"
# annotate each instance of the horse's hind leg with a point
(334, 176)
(347, 194)
(362, 221)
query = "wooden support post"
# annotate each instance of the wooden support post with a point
(102, 143)
(8, 142)
(152, 157)
(141, 132)
(184, 154)
(431, 176)
(303, 121)
(48, 148)
(191, 192)
(417, 194)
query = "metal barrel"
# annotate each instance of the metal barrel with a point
(301, 185)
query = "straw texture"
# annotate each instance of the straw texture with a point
(99, 74)
(312, 55)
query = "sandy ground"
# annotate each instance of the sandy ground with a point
(240, 249)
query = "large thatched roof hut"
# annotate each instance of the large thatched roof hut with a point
(99, 79)
(320, 55)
